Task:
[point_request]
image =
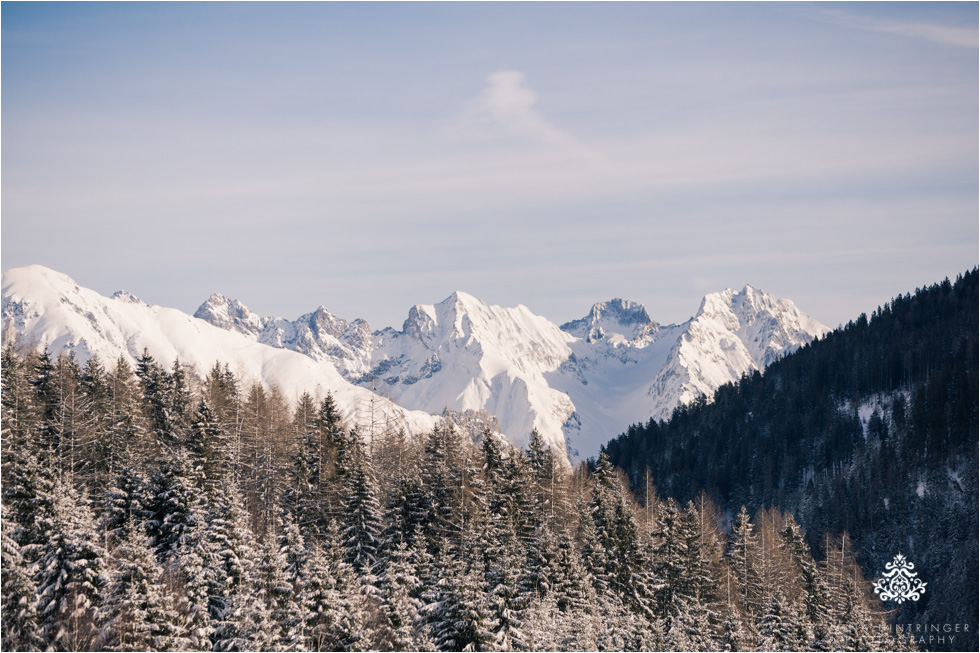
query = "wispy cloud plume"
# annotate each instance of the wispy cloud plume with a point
(964, 37)
(509, 101)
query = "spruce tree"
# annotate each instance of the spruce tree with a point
(362, 517)
(136, 614)
(742, 550)
(70, 571)
(21, 623)
(400, 606)
(207, 449)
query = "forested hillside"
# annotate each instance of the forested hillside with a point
(151, 510)
(871, 431)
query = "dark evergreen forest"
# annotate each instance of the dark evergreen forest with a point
(871, 431)
(149, 509)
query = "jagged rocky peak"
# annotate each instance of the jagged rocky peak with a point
(322, 321)
(421, 322)
(229, 314)
(614, 317)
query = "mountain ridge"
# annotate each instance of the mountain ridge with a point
(576, 383)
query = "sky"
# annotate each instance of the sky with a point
(370, 156)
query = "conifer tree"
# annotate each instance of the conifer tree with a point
(778, 626)
(406, 512)
(206, 448)
(70, 571)
(457, 611)
(179, 398)
(197, 567)
(275, 588)
(400, 606)
(304, 495)
(670, 561)
(125, 428)
(296, 557)
(333, 591)
(19, 417)
(362, 517)
(126, 500)
(734, 635)
(21, 623)
(505, 602)
(815, 596)
(154, 383)
(741, 555)
(235, 561)
(136, 614)
(175, 494)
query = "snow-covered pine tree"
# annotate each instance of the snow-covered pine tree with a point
(136, 613)
(235, 560)
(196, 566)
(296, 556)
(20, 620)
(444, 470)
(28, 495)
(400, 587)
(303, 496)
(670, 560)
(207, 448)
(335, 448)
(328, 625)
(337, 617)
(248, 623)
(174, 496)
(125, 427)
(734, 636)
(700, 524)
(19, 419)
(155, 385)
(506, 603)
(41, 377)
(778, 628)
(95, 453)
(815, 613)
(179, 397)
(70, 572)
(271, 584)
(456, 611)
(126, 500)
(362, 517)
(742, 551)
(406, 511)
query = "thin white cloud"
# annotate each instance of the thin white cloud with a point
(509, 101)
(964, 37)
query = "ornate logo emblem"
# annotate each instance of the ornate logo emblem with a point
(899, 582)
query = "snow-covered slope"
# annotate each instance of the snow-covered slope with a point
(578, 384)
(50, 310)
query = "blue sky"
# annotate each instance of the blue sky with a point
(371, 156)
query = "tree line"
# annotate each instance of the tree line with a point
(149, 509)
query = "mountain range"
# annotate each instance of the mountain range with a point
(577, 383)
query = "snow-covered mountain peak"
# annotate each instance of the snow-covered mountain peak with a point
(229, 314)
(128, 297)
(322, 321)
(617, 320)
(457, 316)
(28, 279)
